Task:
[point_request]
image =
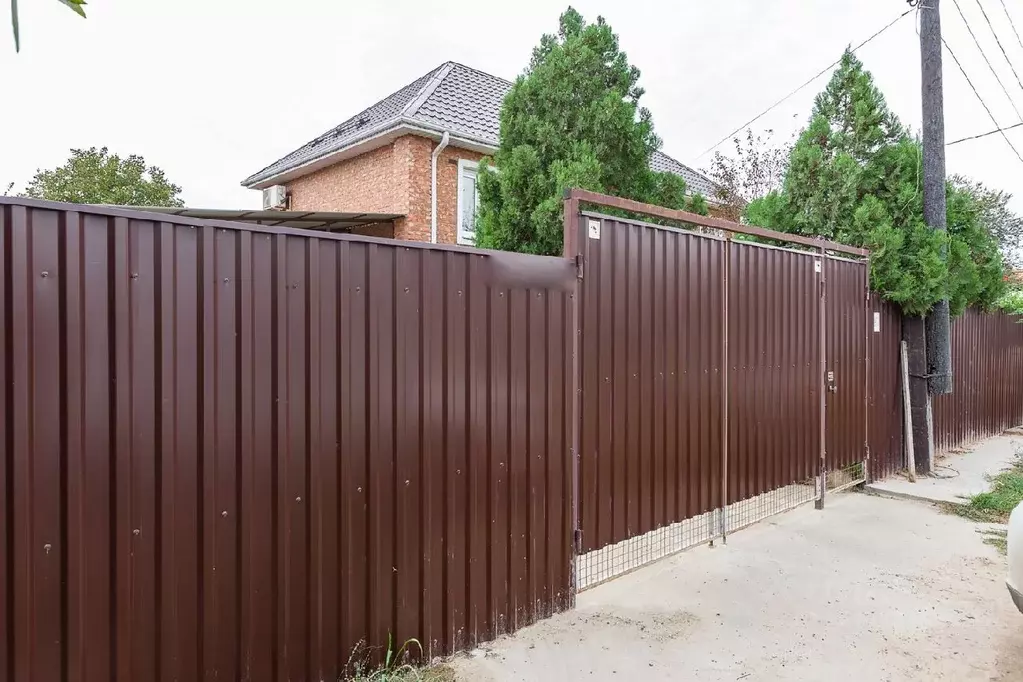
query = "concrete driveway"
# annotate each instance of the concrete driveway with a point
(869, 589)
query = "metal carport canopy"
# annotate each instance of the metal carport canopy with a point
(309, 220)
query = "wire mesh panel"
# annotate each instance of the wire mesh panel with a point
(749, 511)
(847, 476)
(622, 557)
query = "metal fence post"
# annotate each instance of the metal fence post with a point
(822, 323)
(725, 272)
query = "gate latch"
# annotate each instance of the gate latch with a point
(832, 386)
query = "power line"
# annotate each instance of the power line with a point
(1004, 53)
(977, 137)
(815, 77)
(1007, 16)
(987, 61)
(981, 99)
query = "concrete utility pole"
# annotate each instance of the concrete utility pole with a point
(939, 352)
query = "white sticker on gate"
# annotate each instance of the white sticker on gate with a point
(594, 229)
(877, 322)
(816, 266)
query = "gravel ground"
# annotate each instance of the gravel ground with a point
(869, 589)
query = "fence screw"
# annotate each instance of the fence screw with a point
(224, 513)
(136, 531)
(298, 499)
(44, 274)
(47, 547)
(358, 490)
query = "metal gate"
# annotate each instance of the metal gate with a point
(720, 379)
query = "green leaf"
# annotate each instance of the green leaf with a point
(14, 25)
(76, 6)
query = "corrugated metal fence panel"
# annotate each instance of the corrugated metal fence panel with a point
(845, 355)
(885, 420)
(236, 453)
(774, 369)
(651, 379)
(987, 349)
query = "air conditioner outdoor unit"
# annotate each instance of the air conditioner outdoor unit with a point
(275, 197)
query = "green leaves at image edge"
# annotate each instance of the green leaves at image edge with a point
(77, 6)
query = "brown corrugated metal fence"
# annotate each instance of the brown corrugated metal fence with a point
(774, 369)
(237, 452)
(885, 421)
(232, 452)
(661, 308)
(651, 379)
(987, 356)
(987, 367)
(846, 362)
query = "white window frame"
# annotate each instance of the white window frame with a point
(463, 237)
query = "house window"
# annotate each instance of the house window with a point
(468, 199)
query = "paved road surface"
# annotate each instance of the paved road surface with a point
(869, 589)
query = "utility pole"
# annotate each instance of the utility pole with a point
(930, 340)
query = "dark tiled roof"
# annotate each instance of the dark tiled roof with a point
(453, 98)
(467, 103)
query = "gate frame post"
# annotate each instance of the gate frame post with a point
(573, 251)
(725, 291)
(823, 372)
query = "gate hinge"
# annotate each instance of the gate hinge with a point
(577, 540)
(579, 266)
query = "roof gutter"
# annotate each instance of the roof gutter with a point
(399, 126)
(445, 138)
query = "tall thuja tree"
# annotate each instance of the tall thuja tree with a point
(854, 176)
(571, 120)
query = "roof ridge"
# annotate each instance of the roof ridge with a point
(439, 74)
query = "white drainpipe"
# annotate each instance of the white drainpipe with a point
(433, 187)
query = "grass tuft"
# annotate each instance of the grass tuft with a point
(995, 505)
(398, 666)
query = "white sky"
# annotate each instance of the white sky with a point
(213, 90)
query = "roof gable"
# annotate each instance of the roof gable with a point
(452, 97)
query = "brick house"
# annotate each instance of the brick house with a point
(388, 158)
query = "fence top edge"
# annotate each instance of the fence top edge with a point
(170, 219)
(706, 221)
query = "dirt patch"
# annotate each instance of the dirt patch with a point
(647, 625)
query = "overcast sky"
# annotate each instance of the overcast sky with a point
(213, 90)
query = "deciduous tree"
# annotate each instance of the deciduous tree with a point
(757, 166)
(94, 176)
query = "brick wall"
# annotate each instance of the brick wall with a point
(365, 183)
(390, 179)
